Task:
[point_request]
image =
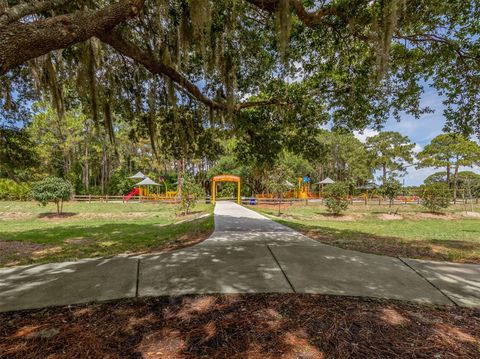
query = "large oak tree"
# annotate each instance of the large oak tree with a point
(358, 60)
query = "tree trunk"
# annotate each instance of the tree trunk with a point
(384, 168)
(21, 42)
(86, 168)
(279, 203)
(448, 176)
(180, 171)
(103, 169)
(455, 177)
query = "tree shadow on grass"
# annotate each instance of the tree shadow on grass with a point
(67, 242)
(263, 326)
(434, 249)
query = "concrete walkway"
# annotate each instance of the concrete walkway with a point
(247, 253)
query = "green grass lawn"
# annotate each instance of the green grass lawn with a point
(452, 236)
(32, 234)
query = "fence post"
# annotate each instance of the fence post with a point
(106, 198)
(89, 198)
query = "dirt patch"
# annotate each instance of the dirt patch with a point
(57, 215)
(6, 216)
(189, 215)
(337, 217)
(266, 326)
(472, 214)
(390, 217)
(12, 251)
(283, 206)
(93, 215)
(428, 215)
(132, 215)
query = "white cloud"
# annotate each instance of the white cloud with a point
(363, 135)
(417, 148)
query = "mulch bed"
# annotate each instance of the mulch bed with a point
(243, 326)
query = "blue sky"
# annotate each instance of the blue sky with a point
(421, 131)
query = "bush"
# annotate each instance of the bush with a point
(13, 191)
(336, 197)
(391, 189)
(51, 189)
(191, 192)
(435, 196)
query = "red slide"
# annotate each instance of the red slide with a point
(135, 192)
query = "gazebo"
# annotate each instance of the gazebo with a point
(145, 183)
(327, 180)
(138, 175)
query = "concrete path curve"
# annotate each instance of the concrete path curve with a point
(247, 253)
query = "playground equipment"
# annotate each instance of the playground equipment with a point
(301, 190)
(135, 192)
(225, 178)
(143, 189)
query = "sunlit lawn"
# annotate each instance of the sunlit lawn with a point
(30, 233)
(453, 236)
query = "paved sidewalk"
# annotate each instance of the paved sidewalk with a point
(247, 253)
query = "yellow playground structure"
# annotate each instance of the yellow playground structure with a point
(301, 190)
(144, 189)
(225, 178)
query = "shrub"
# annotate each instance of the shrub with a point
(51, 189)
(13, 191)
(391, 189)
(336, 197)
(190, 193)
(435, 196)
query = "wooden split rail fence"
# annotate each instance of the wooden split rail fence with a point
(254, 201)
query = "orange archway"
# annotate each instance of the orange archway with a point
(225, 178)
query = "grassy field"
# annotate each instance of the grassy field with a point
(406, 231)
(33, 234)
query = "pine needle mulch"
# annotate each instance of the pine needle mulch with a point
(242, 326)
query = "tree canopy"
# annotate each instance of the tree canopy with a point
(352, 62)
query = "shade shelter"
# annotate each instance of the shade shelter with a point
(138, 175)
(327, 180)
(143, 185)
(225, 178)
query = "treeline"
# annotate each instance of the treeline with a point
(263, 155)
